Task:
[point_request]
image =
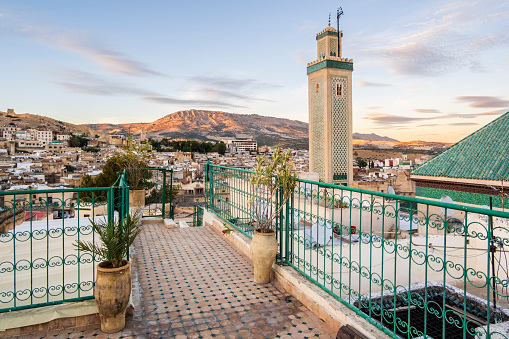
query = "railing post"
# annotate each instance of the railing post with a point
(209, 179)
(124, 198)
(288, 213)
(279, 224)
(110, 199)
(171, 194)
(164, 194)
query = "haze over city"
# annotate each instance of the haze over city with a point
(433, 71)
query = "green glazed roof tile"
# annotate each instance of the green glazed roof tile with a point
(482, 155)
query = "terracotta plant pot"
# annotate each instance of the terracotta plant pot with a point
(136, 198)
(112, 291)
(263, 253)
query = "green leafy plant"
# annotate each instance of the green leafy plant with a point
(268, 181)
(116, 238)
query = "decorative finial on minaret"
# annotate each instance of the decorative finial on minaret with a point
(329, 19)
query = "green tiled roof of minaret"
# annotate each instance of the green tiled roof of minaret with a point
(482, 155)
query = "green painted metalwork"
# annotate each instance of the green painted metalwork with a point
(158, 188)
(330, 64)
(38, 264)
(478, 156)
(197, 215)
(412, 267)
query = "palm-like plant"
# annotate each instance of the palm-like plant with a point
(116, 238)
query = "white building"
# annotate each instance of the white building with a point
(238, 146)
(9, 132)
(45, 136)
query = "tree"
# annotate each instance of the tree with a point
(70, 168)
(77, 140)
(133, 159)
(219, 147)
(361, 162)
(92, 149)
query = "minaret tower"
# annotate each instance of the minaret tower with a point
(330, 110)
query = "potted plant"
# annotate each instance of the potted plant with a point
(134, 159)
(268, 181)
(113, 277)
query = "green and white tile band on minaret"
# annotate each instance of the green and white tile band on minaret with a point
(330, 110)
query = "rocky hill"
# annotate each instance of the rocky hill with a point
(216, 125)
(208, 126)
(371, 136)
(27, 121)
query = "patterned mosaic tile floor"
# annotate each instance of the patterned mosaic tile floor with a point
(193, 284)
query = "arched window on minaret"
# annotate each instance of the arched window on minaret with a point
(317, 88)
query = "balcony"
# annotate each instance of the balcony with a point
(351, 263)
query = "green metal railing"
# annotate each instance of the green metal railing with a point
(415, 268)
(39, 265)
(198, 215)
(158, 185)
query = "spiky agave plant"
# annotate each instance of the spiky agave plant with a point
(116, 238)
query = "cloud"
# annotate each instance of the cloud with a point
(226, 90)
(389, 119)
(80, 43)
(426, 110)
(463, 124)
(372, 84)
(88, 83)
(484, 101)
(192, 102)
(452, 38)
(495, 112)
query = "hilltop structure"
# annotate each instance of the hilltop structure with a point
(330, 110)
(472, 170)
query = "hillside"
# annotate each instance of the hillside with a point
(27, 121)
(210, 126)
(215, 125)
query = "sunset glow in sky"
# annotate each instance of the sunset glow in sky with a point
(423, 70)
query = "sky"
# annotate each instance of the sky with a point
(431, 70)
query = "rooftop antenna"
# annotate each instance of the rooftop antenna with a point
(339, 14)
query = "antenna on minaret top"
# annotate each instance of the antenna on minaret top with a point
(340, 13)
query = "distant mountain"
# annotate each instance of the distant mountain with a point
(216, 125)
(372, 136)
(190, 124)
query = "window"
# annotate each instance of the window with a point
(339, 90)
(317, 87)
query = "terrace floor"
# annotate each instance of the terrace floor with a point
(191, 283)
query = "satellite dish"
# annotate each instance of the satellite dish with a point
(447, 199)
(391, 190)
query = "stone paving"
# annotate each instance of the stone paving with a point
(191, 283)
